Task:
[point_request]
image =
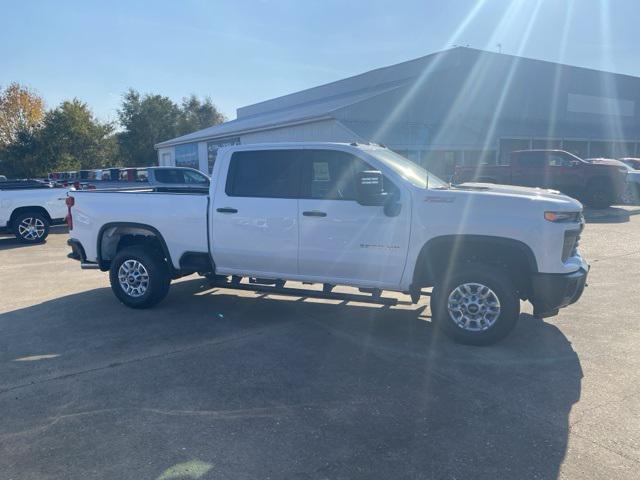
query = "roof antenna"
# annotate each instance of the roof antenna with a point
(499, 46)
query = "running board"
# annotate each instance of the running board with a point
(303, 292)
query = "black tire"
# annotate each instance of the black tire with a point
(31, 227)
(599, 196)
(487, 329)
(141, 294)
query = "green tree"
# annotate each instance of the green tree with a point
(69, 138)
(72, 138)
(196, 115)
(146, 120)
(20, 158)
(21, 110)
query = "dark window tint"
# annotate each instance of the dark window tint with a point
(169, 175)
(530, 159)
(266, 173)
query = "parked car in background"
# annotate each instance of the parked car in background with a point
(631, 194)
(339, 214)
(29, 207)
(131, 176)
(632, 162)
(153, 176)
(598, 185)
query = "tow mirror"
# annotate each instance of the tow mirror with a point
(371, 188)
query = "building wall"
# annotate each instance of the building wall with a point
(322, 130)
(466, 106)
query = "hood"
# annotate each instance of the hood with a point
(513, 190)
(604, 161)
(516, 195)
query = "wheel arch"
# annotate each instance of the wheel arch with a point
(441, 254)
(114, 236)
(34, 208)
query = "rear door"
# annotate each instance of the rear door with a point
(254, 215)
(342, 241)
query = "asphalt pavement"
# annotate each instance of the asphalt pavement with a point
(224, 384)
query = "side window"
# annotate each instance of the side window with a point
(331, 175)
(530, 160)
(142, 175)
(555, 160)
(168, 175)
(264, 173)
(194, 178)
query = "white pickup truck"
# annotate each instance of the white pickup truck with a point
(342, 214)
(28, 209)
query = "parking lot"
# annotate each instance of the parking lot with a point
(223, 384)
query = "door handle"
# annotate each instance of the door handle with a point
(227, 210)
(314, 213)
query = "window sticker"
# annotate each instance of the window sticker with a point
(321, 172)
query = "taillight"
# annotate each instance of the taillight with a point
(70, 201)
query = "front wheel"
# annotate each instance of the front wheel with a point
(476, 305)
(139, 277)
(31, 227)
(599, 196)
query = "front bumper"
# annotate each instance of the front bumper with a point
(552, 291)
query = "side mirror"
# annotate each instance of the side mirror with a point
(371, 188)
(575, 163)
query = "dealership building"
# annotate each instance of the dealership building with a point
(456, 107)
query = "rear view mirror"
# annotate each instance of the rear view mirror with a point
(371, 188)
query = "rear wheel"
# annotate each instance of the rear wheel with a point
(139, 277)
(476, 305)
(31, 227)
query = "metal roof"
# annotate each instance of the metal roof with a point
(311, 111)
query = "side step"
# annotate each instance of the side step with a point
(303, 292)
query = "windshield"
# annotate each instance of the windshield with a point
(409, 170)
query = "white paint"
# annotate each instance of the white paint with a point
(354, 245)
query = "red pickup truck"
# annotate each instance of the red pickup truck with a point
(596, 185)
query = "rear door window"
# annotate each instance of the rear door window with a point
(264, 173)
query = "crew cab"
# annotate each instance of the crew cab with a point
(597, 185)
(29, 208)
(341, 214)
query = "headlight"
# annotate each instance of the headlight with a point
(563, 217)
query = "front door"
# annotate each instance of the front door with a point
(342, 241)
(254, 215)
(529, 169)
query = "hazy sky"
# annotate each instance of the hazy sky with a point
(242, 51)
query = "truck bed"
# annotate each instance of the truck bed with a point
(180, 214)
